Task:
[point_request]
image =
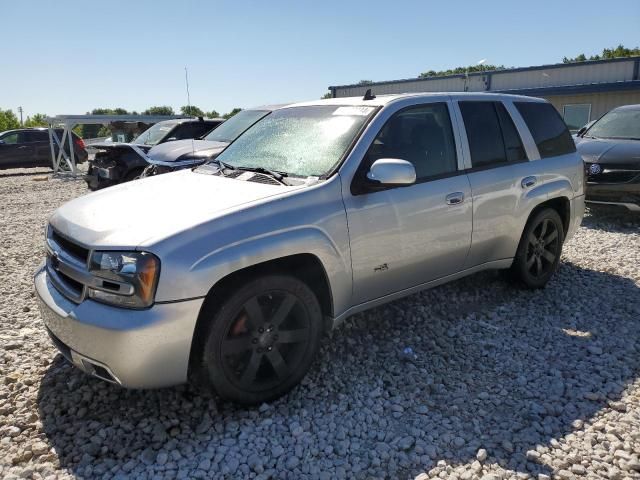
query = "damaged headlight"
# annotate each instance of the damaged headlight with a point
(125, 279)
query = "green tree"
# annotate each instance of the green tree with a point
(365, 82)
(191, 110)
(326, 95)
(36, 120)
(212, 114)
(162, 110)
(607, 53)
(231, 113)
(461, 70)
(8, 120)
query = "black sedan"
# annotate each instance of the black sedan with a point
(610, 148)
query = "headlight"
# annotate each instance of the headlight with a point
(126, 279)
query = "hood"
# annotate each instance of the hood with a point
(172, 151)
(609, 151)
(141, 212)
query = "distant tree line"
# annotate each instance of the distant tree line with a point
(9, 120)
(618, 52)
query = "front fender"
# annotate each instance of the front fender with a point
(210, 269)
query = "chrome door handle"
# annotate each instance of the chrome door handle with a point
(454, 198)
(528, 182)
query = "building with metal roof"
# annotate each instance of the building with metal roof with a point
(581, 91)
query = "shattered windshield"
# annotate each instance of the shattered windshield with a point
(233, 128)
(299, 141)
(622, 124)
(153, 135)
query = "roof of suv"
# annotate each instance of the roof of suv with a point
(381, 100)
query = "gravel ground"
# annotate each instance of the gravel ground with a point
(505, 384)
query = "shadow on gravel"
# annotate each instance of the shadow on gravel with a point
(497, 368)
(24, 174)
(611, 219)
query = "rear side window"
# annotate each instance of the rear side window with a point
(550, 133)
(493, 138)
(36, 136)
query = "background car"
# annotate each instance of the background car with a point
(178, 155)
(610, 148)
(121, 162)
(30, 147)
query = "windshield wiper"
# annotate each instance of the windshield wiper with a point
(279, 176)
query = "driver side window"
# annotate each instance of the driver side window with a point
(10, 139)
(421, 135)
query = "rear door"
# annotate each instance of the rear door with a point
(39, 139)
(402, 237)
(497, 164)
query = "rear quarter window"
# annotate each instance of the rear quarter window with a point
(549, 131)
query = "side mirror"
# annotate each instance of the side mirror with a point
(1, 142)
(392, 172)
(171, 139)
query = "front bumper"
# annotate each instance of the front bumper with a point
(622, 194)
(134, 348)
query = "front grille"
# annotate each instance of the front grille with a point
(613, 174)
(67, 265)
(70, 247)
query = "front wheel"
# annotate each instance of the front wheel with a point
(539, 250)
(262, 339)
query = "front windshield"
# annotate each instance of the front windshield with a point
(623, 124)
(233, 128)
(155, 133)
(299, 141)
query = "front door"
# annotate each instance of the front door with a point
(13, 152)
(404, 236)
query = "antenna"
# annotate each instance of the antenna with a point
(186, 81)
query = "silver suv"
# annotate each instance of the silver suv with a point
(229, 274)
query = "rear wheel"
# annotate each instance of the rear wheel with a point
(262, 339)
(539, 250)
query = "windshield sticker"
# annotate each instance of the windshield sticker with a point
(354, 111)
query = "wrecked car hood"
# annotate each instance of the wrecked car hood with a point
(173, 151)
(609, 151)
(143, 211)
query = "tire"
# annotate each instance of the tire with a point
(539, 249)
(262, 339)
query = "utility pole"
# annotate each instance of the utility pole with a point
(21, 122)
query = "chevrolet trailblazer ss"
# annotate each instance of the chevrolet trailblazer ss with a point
(229, 274)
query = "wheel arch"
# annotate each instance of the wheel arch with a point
(306, 267)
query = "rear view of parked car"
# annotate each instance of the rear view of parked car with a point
(122, 162)
(610, 148)
(318, 211)
(30, 147)
(169, 157)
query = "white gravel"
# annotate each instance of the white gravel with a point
(506, 384)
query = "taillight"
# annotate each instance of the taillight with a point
(79, 142)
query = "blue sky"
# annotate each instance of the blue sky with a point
(69, 57)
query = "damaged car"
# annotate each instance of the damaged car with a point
(178, 155)
(610, 148)
(122, 162)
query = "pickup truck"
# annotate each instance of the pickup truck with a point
(229, 274)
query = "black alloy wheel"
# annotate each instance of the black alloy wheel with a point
(543, 248)
(263, 339)
(540, 247)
